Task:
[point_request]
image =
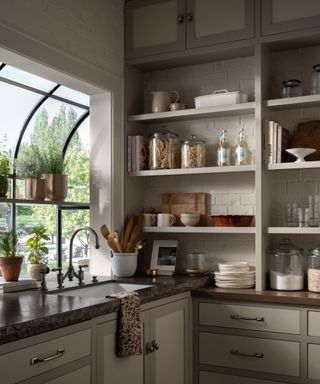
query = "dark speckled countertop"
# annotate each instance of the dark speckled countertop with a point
(28, 313)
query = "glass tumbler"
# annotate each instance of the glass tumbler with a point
(316, 79)
(291, 88)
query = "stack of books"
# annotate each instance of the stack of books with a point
(15, 286)
(276, 141)
(137, 153)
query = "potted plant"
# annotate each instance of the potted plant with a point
(31, 167)
(10, 261)
(4, 170)
(57, 180)
(36, 248)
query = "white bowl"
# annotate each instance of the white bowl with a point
(190, 219)
(124, 264)
(300, 153)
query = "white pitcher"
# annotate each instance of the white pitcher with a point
(161, 100)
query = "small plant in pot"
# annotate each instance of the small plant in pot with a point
(4, 169)
(57, 180)
(31, 167)
(36, 249)
(10, 261)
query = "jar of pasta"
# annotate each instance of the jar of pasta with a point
(163, 149)
(193, 153)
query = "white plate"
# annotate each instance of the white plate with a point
(234, 285)
(235, 274)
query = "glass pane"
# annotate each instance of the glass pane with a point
(78, 157)
(72, 220)
(26, 78)
(73, 95)
(5, 217)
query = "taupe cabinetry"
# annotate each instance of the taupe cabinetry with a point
(79, 376)
(163, 26)
(166, 349)
(289, 15)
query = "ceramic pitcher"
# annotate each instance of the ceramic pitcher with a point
(161, 100)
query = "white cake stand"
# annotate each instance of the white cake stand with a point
(300, 153)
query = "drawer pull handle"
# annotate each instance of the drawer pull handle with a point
(253, 355)
(237, 317)
(36, 360)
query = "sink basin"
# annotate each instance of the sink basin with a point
(102, 290)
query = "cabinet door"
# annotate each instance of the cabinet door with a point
(113, 369)
(210, 378)
(80, 376)
(214, 21)
(154, 26)
(169, 329)
(289, 15)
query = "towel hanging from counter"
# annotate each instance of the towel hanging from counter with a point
(129, 332)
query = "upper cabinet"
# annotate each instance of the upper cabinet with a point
(164, 26)
(289, 15)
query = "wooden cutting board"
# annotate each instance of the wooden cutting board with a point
(307, 135)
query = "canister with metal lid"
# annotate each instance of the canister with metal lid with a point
(314, 269)
(196, 261)
(193, 153)
(163, 148)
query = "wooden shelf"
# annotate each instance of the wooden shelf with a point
(194, 113)
(294, 230)
(194, 171)
(44, 202)
(294, 102)
(201, 230)
(303, 165)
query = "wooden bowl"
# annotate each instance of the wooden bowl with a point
(231, 220)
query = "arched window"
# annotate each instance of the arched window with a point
(35, 112)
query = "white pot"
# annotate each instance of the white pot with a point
(34, 271)
(124, 264)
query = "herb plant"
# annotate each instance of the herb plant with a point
(31, 165)
(4, 159)
(9, 244)
(36, 247)
(54, 161)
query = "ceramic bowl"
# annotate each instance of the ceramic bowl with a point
(190, 219)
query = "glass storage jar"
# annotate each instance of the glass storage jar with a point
(196, 261)
(287, 266)
(291, 88)
(163, 150)
(314, 269)
(193, 153)
(316, 79)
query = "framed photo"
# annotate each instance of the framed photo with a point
(164, 255)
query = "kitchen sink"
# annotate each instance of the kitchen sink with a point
(101, 290)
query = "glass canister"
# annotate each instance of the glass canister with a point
(196, 260)
(287, 266)
(314, 269)
(163, 150)
(291, 88)
(193, 153)
(316, 79)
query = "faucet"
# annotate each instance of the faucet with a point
(71, 273)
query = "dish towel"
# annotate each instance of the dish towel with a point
(129, 333)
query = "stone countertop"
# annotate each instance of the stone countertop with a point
(28, 313)
(279, 297)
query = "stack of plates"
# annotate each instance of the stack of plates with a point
(235, 275)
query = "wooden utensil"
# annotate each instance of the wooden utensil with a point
(104, 231)
(113, 237)
(128, 232)
(134, 235)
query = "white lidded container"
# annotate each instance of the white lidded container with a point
(220, 97)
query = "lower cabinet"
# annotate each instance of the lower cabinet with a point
(211, 378)
(165, 358)
(79, 376)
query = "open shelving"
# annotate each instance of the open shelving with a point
(201, 230)
(294, 102)
(300, 165)
(293, 230)
(44, 202)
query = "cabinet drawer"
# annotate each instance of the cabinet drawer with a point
(264, 355)
(246, 317)
(313, 323)
(72, 347)
(210, 378)
(313, 361)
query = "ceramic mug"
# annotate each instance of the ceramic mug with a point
(162, 99)
(150, 219)
(166, 219)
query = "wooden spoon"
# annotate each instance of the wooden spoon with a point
(128, 232)
(113, 237)
(134, 235)
(104, 231)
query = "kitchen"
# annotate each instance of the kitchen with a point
(252, 51)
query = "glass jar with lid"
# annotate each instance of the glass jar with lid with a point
(291, 88)
(193, 153)
(163, 150)
(196, 261)
(316, 79)
(287, 267)
(314, 269)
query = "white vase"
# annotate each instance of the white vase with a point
(124, 264)
(34, 271)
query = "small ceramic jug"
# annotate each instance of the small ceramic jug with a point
(162, 99)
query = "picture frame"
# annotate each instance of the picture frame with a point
(164, 256)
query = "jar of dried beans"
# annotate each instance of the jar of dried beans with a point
(193, 153)
(314, 270)
(163, 150)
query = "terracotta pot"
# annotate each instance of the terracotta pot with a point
(4, 185)
(34, 271)
(10, 267)
(36, 189)
(57, 187)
